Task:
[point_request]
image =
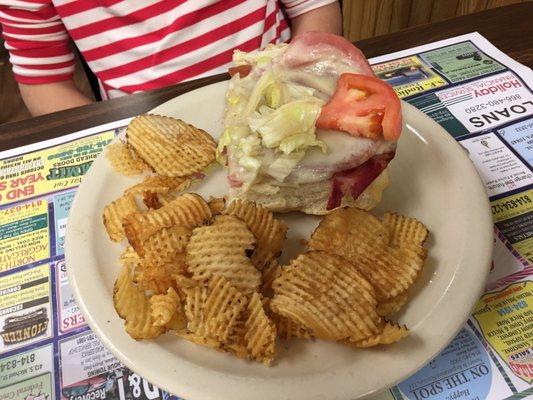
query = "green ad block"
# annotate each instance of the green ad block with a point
(461, 61)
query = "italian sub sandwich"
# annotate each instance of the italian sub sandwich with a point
(308, 126)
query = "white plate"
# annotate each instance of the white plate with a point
(432, 179)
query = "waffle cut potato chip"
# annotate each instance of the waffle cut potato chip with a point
(391, 333)
(170, 146)
(328, 296)
(221, 249)
(260, 332)
(392, 305)
(269, 232)
(288, 329)
(133, 306)
(115, 212)
(188, 210)
(405, 230)
(167, 311)
(212, 312)
(166, 245)
(269, 274)
(216, 205)
(157, 279)
(160, 184)
(123, 160)
(364, 240)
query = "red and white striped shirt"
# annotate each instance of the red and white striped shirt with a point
(136, 45)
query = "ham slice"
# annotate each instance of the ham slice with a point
(354, 181)
(324, 49)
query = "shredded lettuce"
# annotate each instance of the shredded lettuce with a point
(269, 118)
(301, 141)
(284, 164)
(290, 119)
(260, 58)
(258, 92)
(250, 145)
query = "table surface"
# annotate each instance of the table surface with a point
(508, 28)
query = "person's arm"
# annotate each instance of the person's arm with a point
(46, 98)
(39, 47)
(326, 19)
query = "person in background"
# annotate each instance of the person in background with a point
(137, 45)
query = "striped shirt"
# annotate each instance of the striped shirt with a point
(136, 45)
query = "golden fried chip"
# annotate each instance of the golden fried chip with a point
(271, 272)
(151, 200)
(269, 232)
(114, 214)
(170, 146)
(216, 204)
(132, 305)
(361, 238)
(392, 332)
(288, 329)
(166, 244)
(194, 308)
(392, 305)
(157, 279)
(405, 230)
(160, 184)
(129, 256)
(167, 311)
(123, 160)
(188, 210)
(327, 295)
(235, 342)
(213, 312)
(221, 248)
(260, 332)
(222, 307)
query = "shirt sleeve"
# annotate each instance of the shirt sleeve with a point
(37, 41)
(293, 8)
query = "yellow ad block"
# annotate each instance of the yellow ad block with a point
(25, 307)
(49, 170)
(506, 321)
(513, 216)
(408, 76)
(25, 286)
(24, 235)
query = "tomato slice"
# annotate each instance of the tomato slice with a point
(363, 106)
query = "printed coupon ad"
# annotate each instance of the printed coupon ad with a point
(25, 310)
(488, 102)
(70, 316)
(462, 371)
(461, 61)
(505, 319)
(499, 167)
(49, 170)
(28, 375)
(62, 203)
(24, 237)
(408, 76)
(89, 370)
(513, 216)
(504, 263)
(520, 137)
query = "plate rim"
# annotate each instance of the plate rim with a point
(190, 391)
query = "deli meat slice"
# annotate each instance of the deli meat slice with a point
(325, 50)
(354, 181)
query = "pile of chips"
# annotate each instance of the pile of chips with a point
(208, 271)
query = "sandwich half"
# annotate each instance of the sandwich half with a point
(308, 126)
